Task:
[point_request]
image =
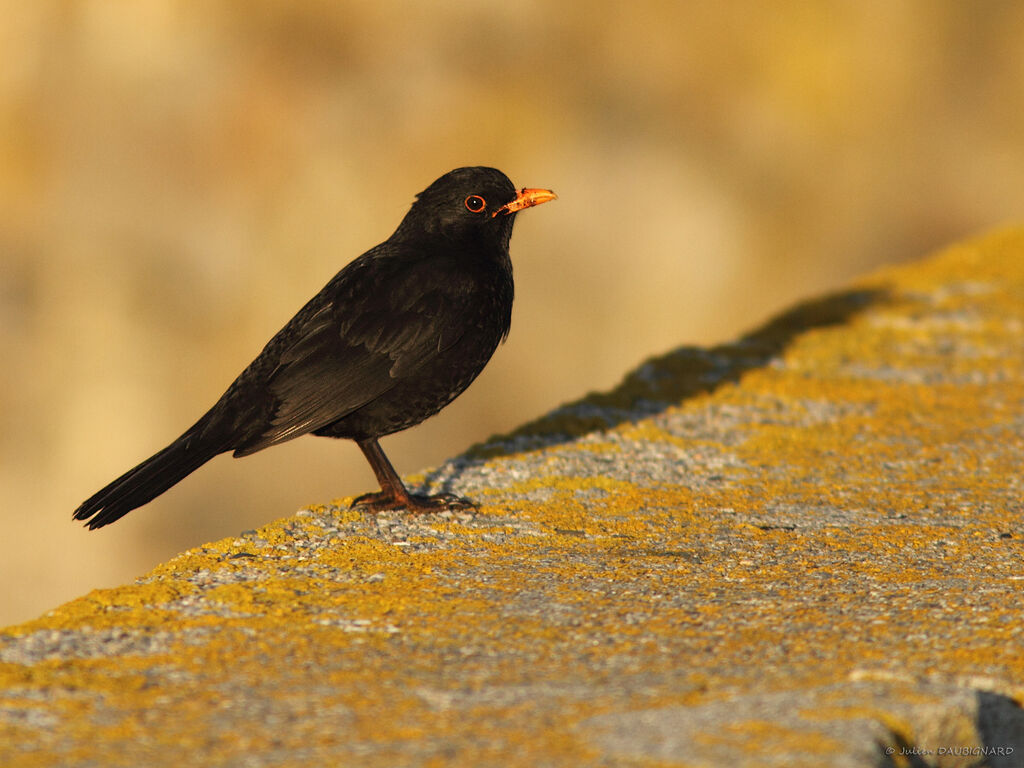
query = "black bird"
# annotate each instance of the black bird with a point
(393, 338)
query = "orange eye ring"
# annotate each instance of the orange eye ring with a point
(475, 203)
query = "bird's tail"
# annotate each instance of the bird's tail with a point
(149, 479)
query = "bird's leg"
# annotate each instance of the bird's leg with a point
(393, 495)
(392, 492)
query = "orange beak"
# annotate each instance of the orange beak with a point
(526, 198)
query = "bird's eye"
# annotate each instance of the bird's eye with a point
(475, 203)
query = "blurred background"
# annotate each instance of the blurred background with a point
(177, 178)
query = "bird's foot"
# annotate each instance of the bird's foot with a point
(414, 503)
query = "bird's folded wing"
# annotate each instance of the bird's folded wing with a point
(335, 359)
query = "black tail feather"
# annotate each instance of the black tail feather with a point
(148, 480)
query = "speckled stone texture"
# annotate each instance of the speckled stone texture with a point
(800, 549)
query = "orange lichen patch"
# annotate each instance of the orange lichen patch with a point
(767, 738)
(103, 608)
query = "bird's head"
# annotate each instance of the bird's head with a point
(475, 203)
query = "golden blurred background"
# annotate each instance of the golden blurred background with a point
(177, 178)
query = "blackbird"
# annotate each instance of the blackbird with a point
(393, 338)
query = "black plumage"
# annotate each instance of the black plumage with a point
(393, 338)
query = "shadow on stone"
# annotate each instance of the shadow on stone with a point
(1000, 723)
(681, 374)
(665, 381)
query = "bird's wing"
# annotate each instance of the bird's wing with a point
(370, 327)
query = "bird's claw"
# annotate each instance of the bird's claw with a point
(413, 503)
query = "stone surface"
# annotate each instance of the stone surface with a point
(802, 548)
